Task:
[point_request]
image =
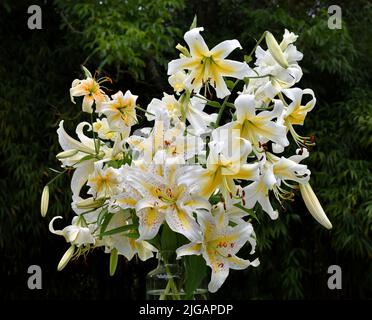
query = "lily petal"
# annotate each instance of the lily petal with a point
(196, 42)
(189, 249)
(223, 49)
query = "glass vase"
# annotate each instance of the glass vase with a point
(167, 280)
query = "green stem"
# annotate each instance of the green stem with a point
(282, 98)
(94, 134)
(224, 105)
(171, 286)
(145, 111)
(166, 291)
(264, 76)
(57, 176)
(257, 44)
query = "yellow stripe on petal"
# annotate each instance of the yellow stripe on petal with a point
(151, 217)
(183, 218)
(209, 182)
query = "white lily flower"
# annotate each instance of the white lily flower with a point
(126, 246)
(85, 147)
(276, 171)
(76, 233)
(103, 182)
(102, 127)
(226, 162)
(90, 89)
(165, 197)
(190, 109)
(164, 137)
(296, 112)
(277, 77)
(199, 120)
(219, 244)
(168, 104)
(258, 127)
(177, 81)
(288, 38)
(208, 65)
(121, 111)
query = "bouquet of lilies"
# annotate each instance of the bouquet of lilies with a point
(195, 174)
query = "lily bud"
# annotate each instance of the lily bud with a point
(66, 154)
(113, 261)
(183, 50)
(66, 258)
(313, 205)
(275, 50)
(90, 203)
(44, 201)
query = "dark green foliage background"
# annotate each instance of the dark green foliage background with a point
(132, 46)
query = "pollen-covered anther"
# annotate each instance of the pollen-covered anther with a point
(169, 192)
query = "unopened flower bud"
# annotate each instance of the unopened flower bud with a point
(66, 154)
(66, 258)
(44, 201)
(90, 203)
(113, 261)
(313, 205)
(183, 50)
(275, 50)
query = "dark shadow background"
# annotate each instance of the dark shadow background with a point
(132, 41)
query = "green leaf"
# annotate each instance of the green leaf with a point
(194, 23)
(103, 221)
(213, 104)
(249, 211)
(85, 158)
(195, 272)
(102, 216)
(214, 199)
(230, 84)
(133, 235)
(230, 105)
(118, 230)
(168, 239)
